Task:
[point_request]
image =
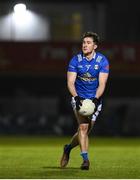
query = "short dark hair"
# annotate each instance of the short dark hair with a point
(92, 35)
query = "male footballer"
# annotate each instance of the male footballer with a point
(86, 79)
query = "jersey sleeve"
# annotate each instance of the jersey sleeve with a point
(72, 67)
(104, 66)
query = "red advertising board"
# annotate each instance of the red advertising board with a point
(52, 58)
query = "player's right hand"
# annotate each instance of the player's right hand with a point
(78, 102)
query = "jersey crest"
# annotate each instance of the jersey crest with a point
(96, 66)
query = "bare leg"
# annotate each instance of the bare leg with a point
(83, 137)
(80, 137)
(75, 139)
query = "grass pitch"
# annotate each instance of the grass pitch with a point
(38, 158)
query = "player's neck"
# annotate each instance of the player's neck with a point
(89, 56)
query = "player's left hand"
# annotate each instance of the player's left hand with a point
(96, 102)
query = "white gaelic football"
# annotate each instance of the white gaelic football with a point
(87, 107)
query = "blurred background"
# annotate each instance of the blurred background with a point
(38, 39)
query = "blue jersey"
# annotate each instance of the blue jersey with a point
(87, 80)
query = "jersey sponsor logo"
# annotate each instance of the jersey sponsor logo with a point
(87, 78)
(79, 57)
(87, 74)
(98, 59)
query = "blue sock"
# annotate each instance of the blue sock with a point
(68, 148)
(84, 155)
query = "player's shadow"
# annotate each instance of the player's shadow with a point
(56, 167)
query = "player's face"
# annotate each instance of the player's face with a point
(88, 46)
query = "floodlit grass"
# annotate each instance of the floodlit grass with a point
(38, 158)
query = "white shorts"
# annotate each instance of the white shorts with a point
(94, 116)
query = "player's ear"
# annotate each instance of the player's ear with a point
(95, 46)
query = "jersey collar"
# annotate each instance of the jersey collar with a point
(94, 55)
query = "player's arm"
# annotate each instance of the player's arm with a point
(102, 84)
(71, 77)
